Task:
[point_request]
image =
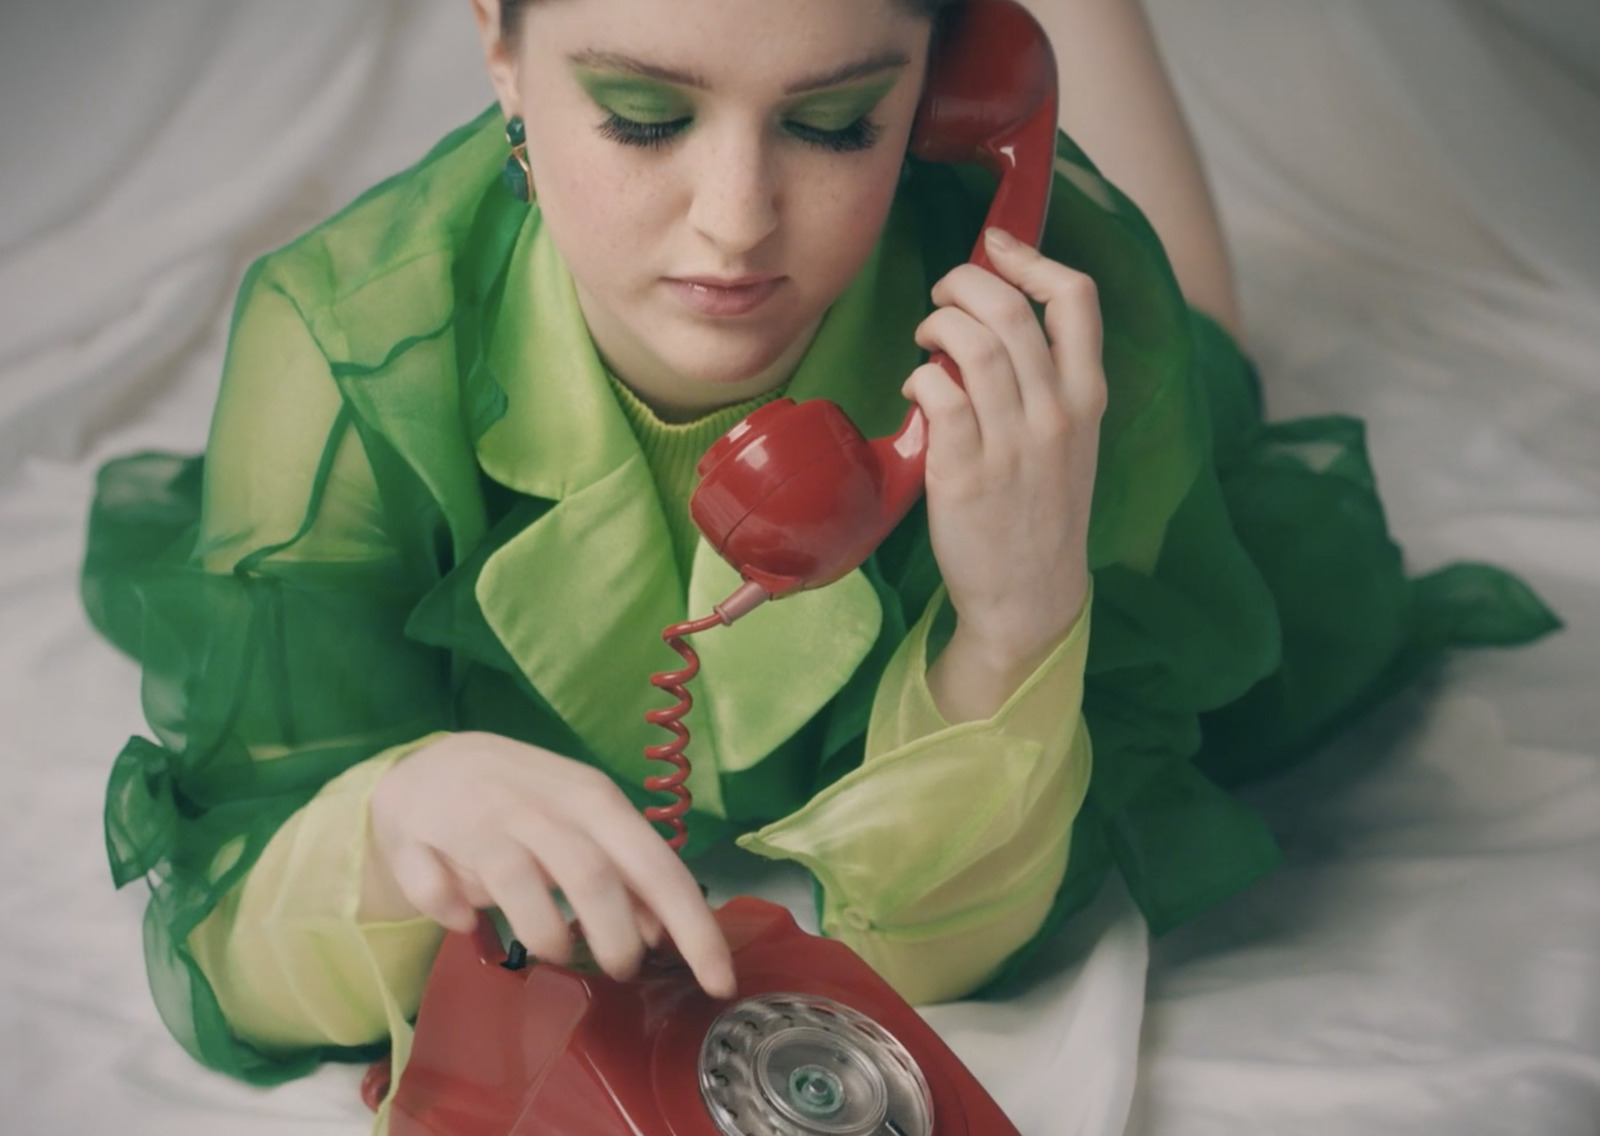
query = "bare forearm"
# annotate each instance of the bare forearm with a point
(1117, 102)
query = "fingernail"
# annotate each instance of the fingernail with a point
(1000, 239)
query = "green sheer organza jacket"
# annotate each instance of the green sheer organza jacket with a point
(1247, 600)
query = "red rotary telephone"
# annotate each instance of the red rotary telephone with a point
(816, 1044)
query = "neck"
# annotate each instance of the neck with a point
(673, 396)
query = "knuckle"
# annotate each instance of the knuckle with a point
(1051, 425)
(949, 418)
(1014, 314)
(593, 789)
(962, 274)
(1095, 398)
(987, 353)
(939, 325)
(504, 867)
(600, 784)
(926, 374)
(429, 892)
(585, 873)
(1077, 288)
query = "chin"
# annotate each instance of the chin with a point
(722, 364)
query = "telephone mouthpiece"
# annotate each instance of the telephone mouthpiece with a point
(795, 498)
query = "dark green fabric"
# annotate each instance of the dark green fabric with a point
(1248, 600)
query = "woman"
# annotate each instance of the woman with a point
(398, 664)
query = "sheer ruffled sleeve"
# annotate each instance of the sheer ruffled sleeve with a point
(942, 853)
(266, 593)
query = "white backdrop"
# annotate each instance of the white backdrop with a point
(1411, 193)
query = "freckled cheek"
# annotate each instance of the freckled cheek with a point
(603, 225)
(845, 224)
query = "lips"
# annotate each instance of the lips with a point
(724, 297)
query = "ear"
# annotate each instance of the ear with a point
(499, 56)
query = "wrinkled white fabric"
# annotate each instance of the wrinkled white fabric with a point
(129, 224)
(1410, 194)
(1410, 191)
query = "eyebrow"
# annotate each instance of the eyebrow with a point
(615, 61)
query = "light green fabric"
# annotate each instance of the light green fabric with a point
(273, 945)
(942, 852)
(672, 450)
(291, 964)
(569, 594)
(284, 643)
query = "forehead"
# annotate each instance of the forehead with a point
(726, 41)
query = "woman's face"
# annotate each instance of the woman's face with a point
(714, 172)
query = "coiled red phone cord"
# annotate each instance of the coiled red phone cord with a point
(375, 1085)
(745, 599)
(671, 718)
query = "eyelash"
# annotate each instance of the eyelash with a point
(645, 135)
(862, 134)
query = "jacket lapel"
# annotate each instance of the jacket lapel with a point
(569, 594)
(579, 597)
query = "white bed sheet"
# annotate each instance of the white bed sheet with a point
(1428, 961)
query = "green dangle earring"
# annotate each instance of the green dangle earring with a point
(516, 175)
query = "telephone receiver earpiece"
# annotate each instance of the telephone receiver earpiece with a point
(793, 496)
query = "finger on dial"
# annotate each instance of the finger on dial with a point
(661, 882)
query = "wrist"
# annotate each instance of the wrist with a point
(383, 900)
(982, 666)
(1018, 635)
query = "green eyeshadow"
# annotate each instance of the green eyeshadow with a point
(838, 108)
(635, 99)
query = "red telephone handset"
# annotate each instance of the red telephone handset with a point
(816, 1042)
(793, 496)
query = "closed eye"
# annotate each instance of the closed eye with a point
(645, 135)
(862, 134)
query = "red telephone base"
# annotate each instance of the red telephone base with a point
(553, 1051)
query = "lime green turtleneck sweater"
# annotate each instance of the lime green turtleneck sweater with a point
(671, 450)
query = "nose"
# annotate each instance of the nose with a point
(735, 204)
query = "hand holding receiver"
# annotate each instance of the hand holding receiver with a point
(816, 1043)
(475, 821)
(794, 497)
(1011, 467)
